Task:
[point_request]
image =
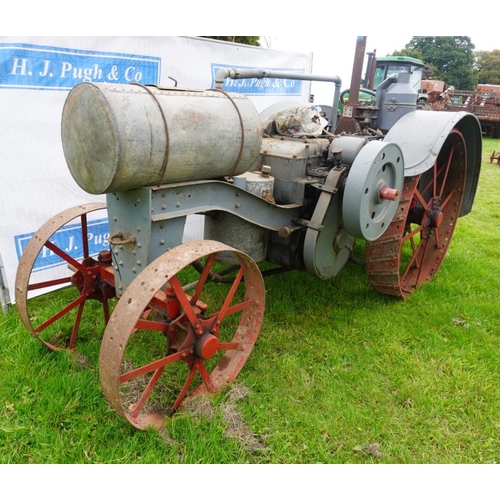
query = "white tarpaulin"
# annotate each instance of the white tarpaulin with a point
(36, 74)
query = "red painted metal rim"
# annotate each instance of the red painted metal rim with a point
(190, 334)
(413, 248)
(25, 280)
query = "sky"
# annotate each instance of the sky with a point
(325, 30)
(332, 60)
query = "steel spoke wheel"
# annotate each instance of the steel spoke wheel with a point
(412, 249)
(178, 332)
(55, 315)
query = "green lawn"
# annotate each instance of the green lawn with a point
(339, 375)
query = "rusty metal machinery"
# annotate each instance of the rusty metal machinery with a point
(186, 315)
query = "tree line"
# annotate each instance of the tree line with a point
(453, 60)
(449, 58)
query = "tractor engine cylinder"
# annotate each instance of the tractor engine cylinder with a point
(123, 137)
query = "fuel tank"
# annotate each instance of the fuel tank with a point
(122, 137)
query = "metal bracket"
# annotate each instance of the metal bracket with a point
(327, 250)
(325, 188)
(308, 224)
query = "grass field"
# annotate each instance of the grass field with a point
(339, 375)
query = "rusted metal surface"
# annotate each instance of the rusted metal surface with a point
(412, 249)
(484, 102)
(86, 275)
(481, 104)
(389, 194)
(156, 305)
(348, 122)
(495, 157)
(357, 70)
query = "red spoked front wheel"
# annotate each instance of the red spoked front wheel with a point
(178, 331)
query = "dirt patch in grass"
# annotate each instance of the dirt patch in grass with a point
(202, 407)
(372, 449)
(83, 361)
(236, 427)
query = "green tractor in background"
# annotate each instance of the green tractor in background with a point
(377, 71)
(386, 66)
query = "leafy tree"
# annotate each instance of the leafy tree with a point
(452, 58)
(408, 53)
(488, 67)
(246, 40)
(428, 72)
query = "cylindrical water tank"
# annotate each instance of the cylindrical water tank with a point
(122, 137)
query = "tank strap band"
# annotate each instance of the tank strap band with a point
(165, 158)
(242, 143)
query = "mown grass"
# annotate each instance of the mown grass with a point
(339, 374)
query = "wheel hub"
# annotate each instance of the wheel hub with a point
(89, 282)
(436, 215)
(372, 190)
(86, 281)
(206, 346)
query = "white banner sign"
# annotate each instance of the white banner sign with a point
(36, 74)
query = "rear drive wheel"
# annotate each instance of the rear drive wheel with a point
(412, 249)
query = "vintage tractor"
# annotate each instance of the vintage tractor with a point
(276, 193)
